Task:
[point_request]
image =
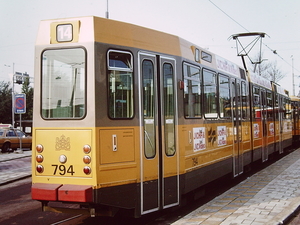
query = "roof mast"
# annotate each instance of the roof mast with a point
(244, 50)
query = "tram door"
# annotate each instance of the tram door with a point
(264, 118)
(236, 102)
(159, 156)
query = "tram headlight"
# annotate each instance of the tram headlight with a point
(39, 168)
(39, 158)
(87, 170)
(62, 159)
(86, 159)
(39, 148)
(86, 149)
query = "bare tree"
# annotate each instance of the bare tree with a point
(268, 70)
(274, 72)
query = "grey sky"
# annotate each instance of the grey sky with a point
(198, 21)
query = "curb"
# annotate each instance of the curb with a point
(14, 180)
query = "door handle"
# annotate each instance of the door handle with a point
(114, 143)
(190, 137)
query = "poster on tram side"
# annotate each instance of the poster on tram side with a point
(222, 135)
(199, 138)
(256, 130)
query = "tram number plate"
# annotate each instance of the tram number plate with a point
(63, 170)
(64, 32)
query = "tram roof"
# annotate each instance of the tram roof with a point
(295, 98)
(281, 90)
(261, 81)
(97, 29)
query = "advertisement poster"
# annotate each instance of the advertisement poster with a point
(256, 130)
(199, 138)
(271, 129)
(222, 134)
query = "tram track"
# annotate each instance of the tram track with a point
(66, 221)
(14, 193)
(170, 216)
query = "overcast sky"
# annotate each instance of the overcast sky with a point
(207, 23)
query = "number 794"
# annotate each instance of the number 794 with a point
(62, 170)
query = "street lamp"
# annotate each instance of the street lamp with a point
(107, 12)
(293, 77)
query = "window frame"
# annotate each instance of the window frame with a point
(85, 83)
(152, 112)
(270, 104)
(245, 100)
(204, 112)
(120, 69)
(218, 94)
(200, 89)
(259, 104)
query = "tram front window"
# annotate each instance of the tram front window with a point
(63, 84)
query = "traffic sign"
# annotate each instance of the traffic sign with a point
(20, 103)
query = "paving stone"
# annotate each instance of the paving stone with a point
(268, 197)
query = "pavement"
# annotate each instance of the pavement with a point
(270, 196)
(14, 166)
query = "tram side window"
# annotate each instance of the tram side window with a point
(192, 91)
(149, 92)
(256, 103)
(245, 103)
(224, 97)
(210, 94)
(287, 109)
(63, 84)
(169, 113)
(168, 90)
(270, 112)
(283, 113)
(276, 107)
(120, 77)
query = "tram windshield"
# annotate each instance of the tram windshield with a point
(63, 84)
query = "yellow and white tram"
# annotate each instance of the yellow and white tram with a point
(131, 119)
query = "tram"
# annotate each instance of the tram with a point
(295, 103)
(130, 120)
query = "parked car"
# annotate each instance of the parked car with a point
(10, 139)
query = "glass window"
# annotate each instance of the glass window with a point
(63, 84)
(210, 94)
(149, 92)
(287, 109)
(245, 104)
(238, 100)
(169, 114)
(197, 55)
(11, 133)
(120, 84)
(224, 97)
(284, 108)
(256, 103)
(192, 91)
(276, 107)
(20, 133)
(270, 112)
(205, 56)
(234, 100)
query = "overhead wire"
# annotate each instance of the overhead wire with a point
(273, 51)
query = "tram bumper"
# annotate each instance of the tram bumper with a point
(60, 192)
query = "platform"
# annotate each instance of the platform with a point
(267, 197)
(14, 166)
